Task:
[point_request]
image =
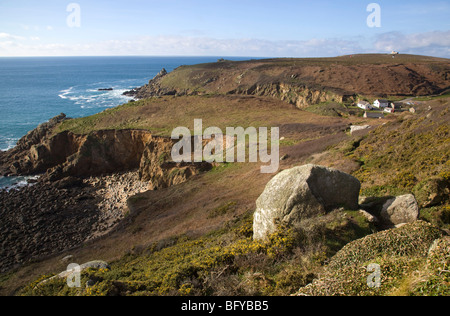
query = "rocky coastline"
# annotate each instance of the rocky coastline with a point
(83, 186)
(48, 218)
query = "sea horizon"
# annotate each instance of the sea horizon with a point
(71, 85)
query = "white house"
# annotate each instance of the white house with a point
(364, 105)
(389, 110)
(381, 103)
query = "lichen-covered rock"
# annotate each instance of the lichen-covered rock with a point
(400, 210)
(301, 193)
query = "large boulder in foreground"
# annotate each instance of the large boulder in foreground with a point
(301, 193)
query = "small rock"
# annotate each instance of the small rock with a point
(368, 216)
(355, 128)
(67, 258)
(95, 265)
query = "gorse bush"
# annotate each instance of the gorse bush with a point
(412, 260)
(224, 262)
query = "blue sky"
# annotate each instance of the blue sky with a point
(260, 28)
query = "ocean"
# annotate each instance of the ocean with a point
(35, 89)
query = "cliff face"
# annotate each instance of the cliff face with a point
(39, 150)
(103, 152)
(157, 168)
(300, 96)
(100, 152)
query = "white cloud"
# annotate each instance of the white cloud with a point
(177, 45)
(435, 43)
(10, 37)
(432, 43)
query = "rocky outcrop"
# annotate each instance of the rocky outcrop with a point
(300, 96)
(160, 171)
(152, 89)
(400, 210)
(65, 154)
(302, 193)
(35, 136)
(33, 154)
(112, 151)
(104, 152)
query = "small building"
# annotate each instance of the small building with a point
(381, 103)
(389, 110)
(364, 105)
(396, 106)
(376, 115)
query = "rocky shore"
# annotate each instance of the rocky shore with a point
(82, 193)
(51, 217)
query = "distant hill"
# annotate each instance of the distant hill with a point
(308, 81)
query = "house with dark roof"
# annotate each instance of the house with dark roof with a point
(381, 103)
(375, 115)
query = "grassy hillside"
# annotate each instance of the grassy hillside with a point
(162, 115)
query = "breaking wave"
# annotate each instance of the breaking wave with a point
(99, 94)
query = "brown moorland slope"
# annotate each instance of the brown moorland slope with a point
(309, 80)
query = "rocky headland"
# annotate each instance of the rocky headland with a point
(305, 82)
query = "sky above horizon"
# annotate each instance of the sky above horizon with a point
(253, 28)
